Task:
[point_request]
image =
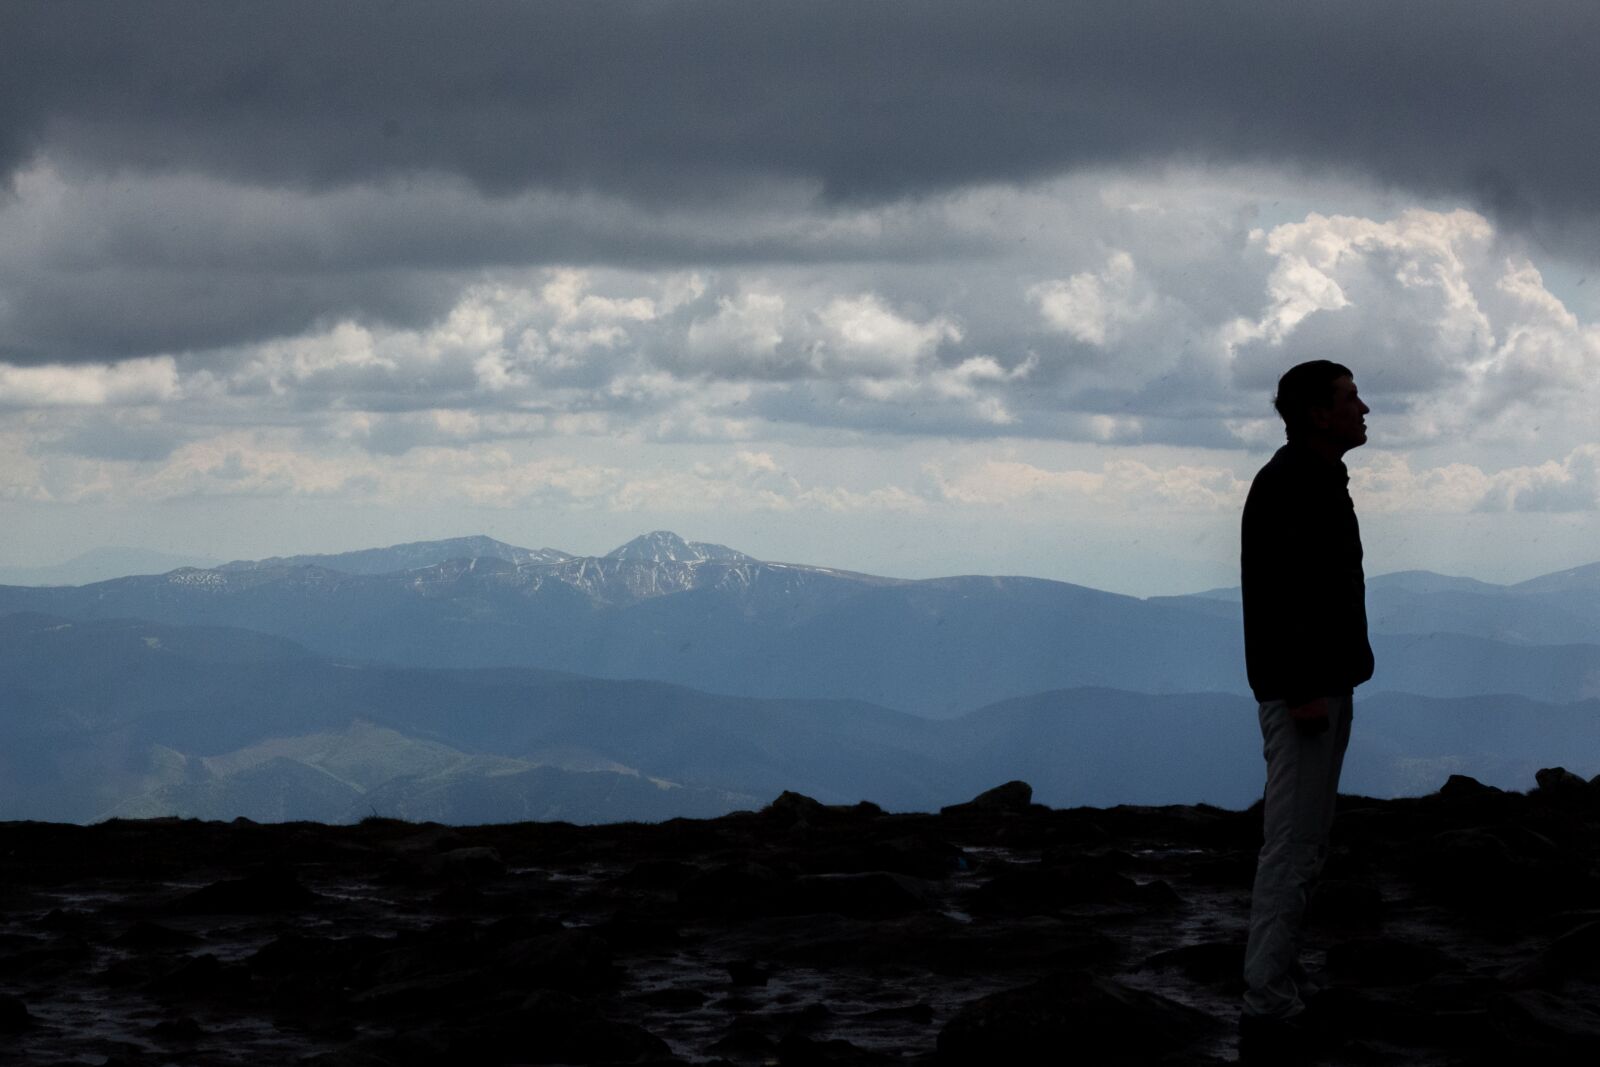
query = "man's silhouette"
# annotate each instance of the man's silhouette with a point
(1306, 649)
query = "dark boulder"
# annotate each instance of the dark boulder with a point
(1346, 903)
(674, 998)
(799, 1051)
(630, 931)
(872, 895)
(183, 1030)
(1503, 873)
(1574, 953)
(740, 890)
(1045, 890)
(745, 1045)
(1541, 1027)
(919, 855)
(1384, 961)
(1465, 787)
(419, 995)
(655, 876)
(795, 809)
(203, 976)
(1563, 787)
(1011, 798)
(147, 935)
(467, 865)
(569, 960)
(1090, 1019)
(1219, 964)
(265, 892)
(549, 1027)
(749, 973)
(14, 1015)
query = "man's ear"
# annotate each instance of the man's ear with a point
(1319, 417)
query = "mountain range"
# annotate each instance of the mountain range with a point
(470, 680)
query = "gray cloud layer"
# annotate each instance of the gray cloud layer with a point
(662, 98)
(198, 175)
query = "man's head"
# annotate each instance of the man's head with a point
(1319, 403)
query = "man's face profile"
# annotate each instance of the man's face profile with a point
(1343, 421)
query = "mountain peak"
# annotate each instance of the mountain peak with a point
(409, 556)
(664, 546)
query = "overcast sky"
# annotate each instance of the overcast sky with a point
(912, 288)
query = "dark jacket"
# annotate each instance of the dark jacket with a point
(1305, 610)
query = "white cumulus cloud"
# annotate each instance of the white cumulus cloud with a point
(136, 381)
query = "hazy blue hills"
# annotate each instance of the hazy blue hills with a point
(670, 677)
(1454, 665)
(129, 718)
(697, 615)
(712, 618)
(100, 720)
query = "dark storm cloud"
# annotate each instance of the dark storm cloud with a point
(233, 172)
(113, 313)
(98, 267)
(659, 97)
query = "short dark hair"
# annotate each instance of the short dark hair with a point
(1305, 386)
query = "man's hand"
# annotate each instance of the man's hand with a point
(1311, 718)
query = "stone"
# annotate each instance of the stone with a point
(919, 855)
(1463, 787)
(184, 1030)
(871, 895)
(799, 1051)
(656, 875)
(740, 889)
(1538, 1024)
(1091, 1019)
(748, 973)
(1505, 873)
(1346, 903)
(629, 931)
(612, 1041)
(417, 996)
(14, 1015)
(745, 1045)
(1381, 961)
(203, 976)
(268, 891)
(1576, 952)
(674, 998)
(795, 809)
(570, 960)
(147, 935)
(1045, 890)
(472, 864)
(1560, 783)
(1012, 797)
(1219, 964)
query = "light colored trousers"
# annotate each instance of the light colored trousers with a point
(1302, 784)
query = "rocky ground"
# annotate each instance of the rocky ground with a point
(1458, 928)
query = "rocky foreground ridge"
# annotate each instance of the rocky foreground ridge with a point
(1457, 928)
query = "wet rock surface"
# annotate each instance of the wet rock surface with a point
(1461, 928)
